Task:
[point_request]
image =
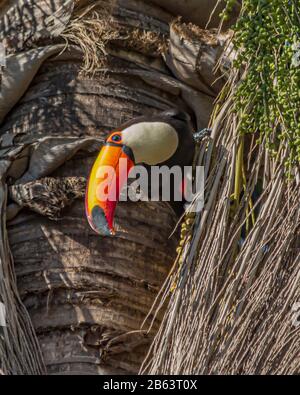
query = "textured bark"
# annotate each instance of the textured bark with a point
(83, 291)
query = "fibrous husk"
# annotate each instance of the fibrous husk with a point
(96, 27)
(48, 196)
(18, 73)
(194, 53)
(91, 30)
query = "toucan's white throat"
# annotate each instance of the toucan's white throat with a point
(151, 142)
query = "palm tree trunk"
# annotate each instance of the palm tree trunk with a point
(88, 295)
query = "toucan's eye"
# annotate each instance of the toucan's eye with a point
(116, 137)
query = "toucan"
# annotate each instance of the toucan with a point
(162, 139)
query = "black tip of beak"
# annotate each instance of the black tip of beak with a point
(99, 222)
(128, 151)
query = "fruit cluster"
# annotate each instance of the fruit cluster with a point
(267, 96)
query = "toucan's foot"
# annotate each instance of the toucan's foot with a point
(99, 222)
(198, 136)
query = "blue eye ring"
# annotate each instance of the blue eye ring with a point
(116, 137)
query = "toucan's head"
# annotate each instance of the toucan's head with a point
(162, 139)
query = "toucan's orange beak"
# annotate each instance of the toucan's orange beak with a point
(108, 175)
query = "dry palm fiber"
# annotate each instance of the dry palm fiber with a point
(19, 350)
(235, 309)
(95, 26)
